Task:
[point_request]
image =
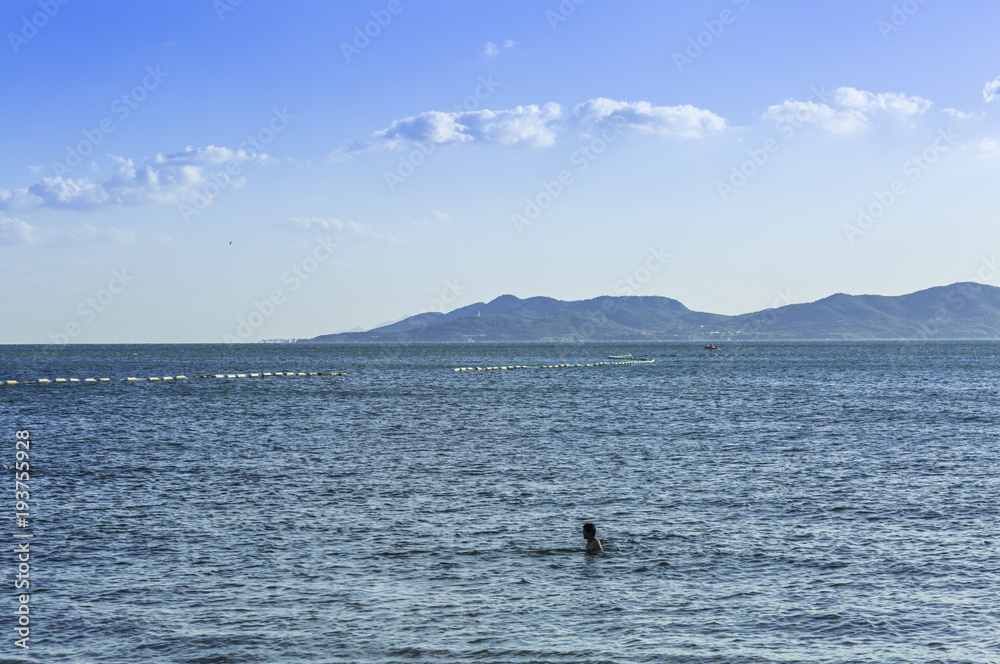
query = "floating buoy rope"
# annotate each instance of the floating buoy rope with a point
(157, 379)
(554, 366)
(297, 374)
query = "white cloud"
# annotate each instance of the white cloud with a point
(532, 126)
(171, 179)
(955, 113)
(211, 155)
(162, 240)
(429, 218)
(850, 110)
(687, 121)
(891, 102)
(989, 148)
(320, 224)
(325, 224)
(18, 232)
(991, 89)
(86, 234)
(18, 199)
(829, 119)
(491, 50)
(62, 192)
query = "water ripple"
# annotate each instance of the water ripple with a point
(767, 503)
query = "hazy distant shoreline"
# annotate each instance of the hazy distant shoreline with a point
(961, 311)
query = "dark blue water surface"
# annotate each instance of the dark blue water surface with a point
(772, 502)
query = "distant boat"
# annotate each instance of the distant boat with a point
(711, 347)
(620, 357)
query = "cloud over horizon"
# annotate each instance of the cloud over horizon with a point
(988, 148)
(532, 125)
(14, 231)
(686, 121)
(180, 177)
(850, 110)
(327, 224)
(535, 126)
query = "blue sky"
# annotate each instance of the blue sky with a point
(194, 171)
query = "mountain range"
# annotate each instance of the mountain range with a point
(959, 311)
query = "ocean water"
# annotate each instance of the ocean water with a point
(769, 502)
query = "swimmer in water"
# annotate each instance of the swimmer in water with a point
(590, 534)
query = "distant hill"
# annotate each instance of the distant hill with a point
(960, 311)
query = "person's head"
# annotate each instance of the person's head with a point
(589, 530)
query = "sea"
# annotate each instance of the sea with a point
(820, 502)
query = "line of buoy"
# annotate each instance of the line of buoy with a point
(156, 379)
(554, 366)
